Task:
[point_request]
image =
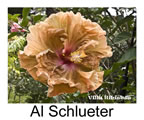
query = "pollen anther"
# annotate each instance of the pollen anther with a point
(77, 56)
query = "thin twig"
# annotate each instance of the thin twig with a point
(113, 19)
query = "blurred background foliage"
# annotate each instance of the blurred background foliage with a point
(120, 69)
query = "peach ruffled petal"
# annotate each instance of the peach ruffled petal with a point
(60, 89)
(90, 81)
(29, 63)
(82, 81)
(43, 37)
(101, 48)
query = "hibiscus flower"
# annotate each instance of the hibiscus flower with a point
(64, 53)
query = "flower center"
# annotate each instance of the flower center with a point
(69, 59)
(77, 56)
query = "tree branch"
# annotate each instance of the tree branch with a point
(124, 84)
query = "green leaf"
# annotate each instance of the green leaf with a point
(129, 88)
(126, 19)
(129, 55)
(9, 16)
(13, 17)
(25, 12)
(25, 17)
(17, 44)
(106, 24)
(113, 69)
(107, 72)
(122, 37)
(24, 22)
(16, 15)
(121, 22)
(116, 66)
(37, 18)
(12, 34)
